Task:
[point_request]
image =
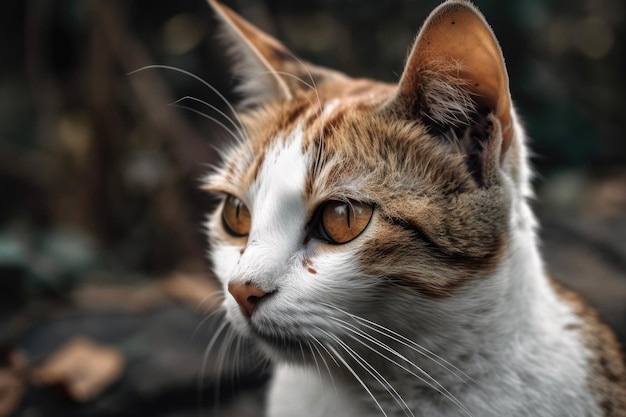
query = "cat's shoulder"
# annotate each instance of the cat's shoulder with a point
(607, 372)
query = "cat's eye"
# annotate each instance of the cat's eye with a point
(341, 221)
(235, 217)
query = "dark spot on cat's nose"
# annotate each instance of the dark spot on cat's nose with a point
(247, 295)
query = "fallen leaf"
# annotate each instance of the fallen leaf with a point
(131, 298)
(12, 381)
(81, 368)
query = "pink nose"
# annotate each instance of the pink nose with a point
(247, 296)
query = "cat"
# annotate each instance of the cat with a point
(375, 241)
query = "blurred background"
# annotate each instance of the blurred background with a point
(106, 299)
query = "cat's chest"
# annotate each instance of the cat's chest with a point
(309, 394)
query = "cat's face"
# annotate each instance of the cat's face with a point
(350, 203)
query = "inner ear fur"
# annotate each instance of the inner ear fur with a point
(455, 70)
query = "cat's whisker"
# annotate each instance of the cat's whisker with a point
(415, 347)
(211, 118)
(224, 353)
(287, 74)
(213, 107)
(419, 349)
(313, 345)
(302, 351)
(359, 332)
(358, 359)
(236, 371)
(435, 385)
(216, 296)
(406, 342)
(195, 77)
(205, 360)
(208, 317)
(371, 370)
(317, 342)
(358, 379)
(322, 345)
(290, 75)
(369, 324)
(317, 365)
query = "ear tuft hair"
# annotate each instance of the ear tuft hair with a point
(258, 58)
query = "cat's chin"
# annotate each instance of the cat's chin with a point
(273, 340)
(282, 346)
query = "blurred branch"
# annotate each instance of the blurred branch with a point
(150, 90)
(154, 99)
(43, 87)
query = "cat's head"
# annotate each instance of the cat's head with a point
(346, 198)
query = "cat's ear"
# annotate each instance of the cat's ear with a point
(455, 72)
(260, 59)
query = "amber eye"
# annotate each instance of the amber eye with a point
(235, 217)
(343, 221)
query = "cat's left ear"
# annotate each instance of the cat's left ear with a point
(267, 70)
(455, 71)
(259, 58)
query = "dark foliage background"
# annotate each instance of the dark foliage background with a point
(100, 211)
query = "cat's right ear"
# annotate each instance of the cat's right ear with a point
(260, 60)
(455, 74)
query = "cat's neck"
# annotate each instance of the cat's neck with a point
(506, 307)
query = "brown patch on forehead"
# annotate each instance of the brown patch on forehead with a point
(345, 97)
(293, 114)
(278, 119)
(360, 145)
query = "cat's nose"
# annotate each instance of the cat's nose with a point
(247, 295)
